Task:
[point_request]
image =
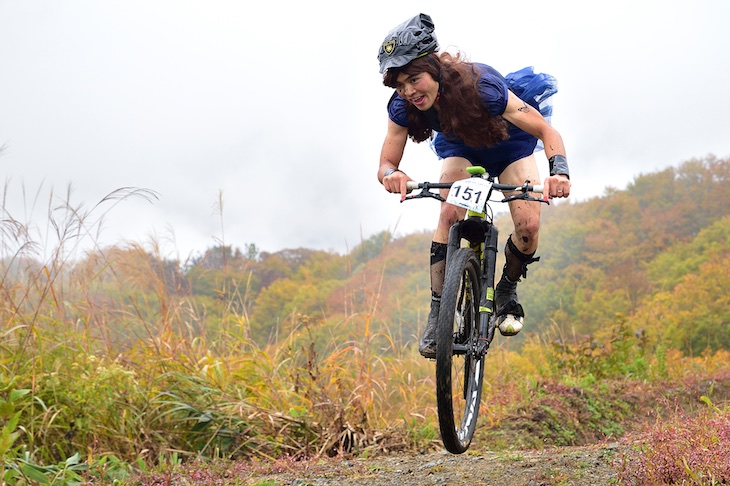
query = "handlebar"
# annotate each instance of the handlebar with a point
(411, 185)
(523, 190)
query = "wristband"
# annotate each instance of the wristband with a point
(390, 171)
(559, 166)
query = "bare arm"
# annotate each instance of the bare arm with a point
(390, 157)
(393, 147)
(530, 120)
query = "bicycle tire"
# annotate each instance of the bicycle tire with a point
(459, 370)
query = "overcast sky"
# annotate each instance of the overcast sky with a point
(279, 108)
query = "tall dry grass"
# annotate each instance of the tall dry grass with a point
(108, 356)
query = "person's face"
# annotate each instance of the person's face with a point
(420, 89)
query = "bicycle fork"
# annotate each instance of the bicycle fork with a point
(482, 237)
(487, 320)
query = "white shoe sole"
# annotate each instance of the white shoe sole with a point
(511, 325)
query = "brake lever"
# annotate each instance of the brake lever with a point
(525, 197)
(424, 193)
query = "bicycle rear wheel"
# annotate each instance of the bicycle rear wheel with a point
(459, 370)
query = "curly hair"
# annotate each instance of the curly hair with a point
(461, 111)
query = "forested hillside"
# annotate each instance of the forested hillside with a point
(654, 252)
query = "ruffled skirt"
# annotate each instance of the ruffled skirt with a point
(535, 89)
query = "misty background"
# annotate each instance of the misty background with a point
(277, 109)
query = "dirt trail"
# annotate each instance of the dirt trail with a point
(588, 465)
(597, 462)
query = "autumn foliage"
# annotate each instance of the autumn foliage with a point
(127, 359)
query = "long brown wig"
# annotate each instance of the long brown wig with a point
(461, 110)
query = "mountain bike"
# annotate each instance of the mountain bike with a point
(467, 321)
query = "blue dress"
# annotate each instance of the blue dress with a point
(533, 88)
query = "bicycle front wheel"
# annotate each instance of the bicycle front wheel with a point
(459, 369)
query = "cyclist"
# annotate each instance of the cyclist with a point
(478, 117)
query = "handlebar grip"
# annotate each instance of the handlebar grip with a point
(410, 185)
(537, 188)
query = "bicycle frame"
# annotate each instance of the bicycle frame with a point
(482, 236)
(466, 323)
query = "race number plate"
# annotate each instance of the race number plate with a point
(470, 193)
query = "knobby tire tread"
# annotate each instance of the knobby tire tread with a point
(462, 264)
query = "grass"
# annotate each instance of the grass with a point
(111, 370)
(685, 449)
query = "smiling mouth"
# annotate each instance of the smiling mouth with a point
(418, 100)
